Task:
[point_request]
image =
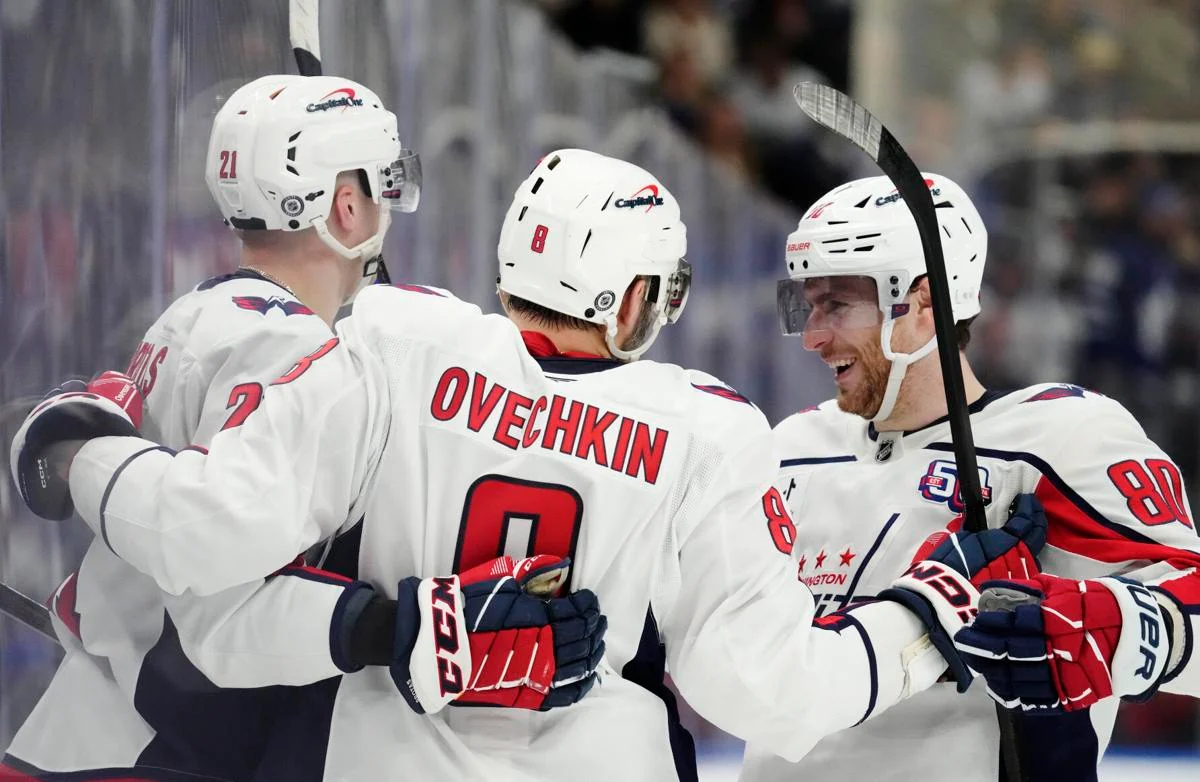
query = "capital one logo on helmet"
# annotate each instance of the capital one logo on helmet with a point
(327, 102)
(637, 199)
(895, 196)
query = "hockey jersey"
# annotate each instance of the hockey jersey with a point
(864, 502)
(125, 694)
(461, 439)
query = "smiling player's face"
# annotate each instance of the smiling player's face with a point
(843, 326)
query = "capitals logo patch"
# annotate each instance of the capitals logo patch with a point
(1057, 392)
(940, 484)
(262, 306)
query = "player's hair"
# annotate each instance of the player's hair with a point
(962, 329)
(544, 316)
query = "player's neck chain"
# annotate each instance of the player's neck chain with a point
(275, 280)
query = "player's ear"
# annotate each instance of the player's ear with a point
(630, 310)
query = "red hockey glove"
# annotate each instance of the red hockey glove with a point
(496, 636)
(1055, 644)
(111, 404)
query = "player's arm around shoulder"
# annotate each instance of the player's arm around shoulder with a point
(264, 492)
(743, 643)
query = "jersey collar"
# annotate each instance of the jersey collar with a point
(572, 362)
(979, 404)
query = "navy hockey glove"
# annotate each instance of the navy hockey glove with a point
(942, 586)
(494, 635)
(1055, 644)
(43, 447)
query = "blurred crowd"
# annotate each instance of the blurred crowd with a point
(726, 72)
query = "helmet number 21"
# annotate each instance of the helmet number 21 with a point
(228, 164)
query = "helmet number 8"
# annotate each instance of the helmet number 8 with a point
(539, 239)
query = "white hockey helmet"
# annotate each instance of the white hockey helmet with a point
(581, 228)
(864, 229)
(279, 143)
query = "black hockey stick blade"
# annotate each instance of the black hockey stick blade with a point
(304, 34)
(27, 611)
(843, 115)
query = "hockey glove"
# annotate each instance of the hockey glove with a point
(495, 635)
(941, 587)
(111, 404)
(1055, 645)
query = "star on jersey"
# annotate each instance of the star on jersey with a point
(846, 556)
(821, 559)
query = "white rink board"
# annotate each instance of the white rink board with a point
(1119, 768)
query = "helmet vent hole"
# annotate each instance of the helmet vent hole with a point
(607, 200)
(955, 277)
(946, 231)
(275, 94)
(537, 185)
(943, 205)
(804, 264)
(521, 216)
(838, 251)
(292, 138)
(836, 222)
(868, 236)
(973, 257)
(510, 265)
(554, 161)
(292, 170)
(967, 226)
(791, 266)
(865, 248)
(568, 287)
(586, 239)
(861, 204)
(291, 154)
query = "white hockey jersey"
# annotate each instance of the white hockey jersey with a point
(462, 440)
(202, 367)
(864, 502)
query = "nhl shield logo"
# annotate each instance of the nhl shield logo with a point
(605, 300)
(885, 451)
(292, 205)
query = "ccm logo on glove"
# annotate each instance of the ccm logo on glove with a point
(445, 635)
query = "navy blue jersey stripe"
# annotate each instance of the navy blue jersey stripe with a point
(816, 460)
(1048, 472)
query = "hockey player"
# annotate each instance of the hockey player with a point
(307, 171)
(463, 436)
(857, 292)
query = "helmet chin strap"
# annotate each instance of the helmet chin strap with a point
(610, 339)
(900, 364)
(366, 253)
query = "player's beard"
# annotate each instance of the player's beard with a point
(865, 397)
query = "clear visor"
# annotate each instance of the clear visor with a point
(829, 304)
(400, 182)
(679, 285)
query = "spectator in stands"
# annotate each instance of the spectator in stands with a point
(691, 25)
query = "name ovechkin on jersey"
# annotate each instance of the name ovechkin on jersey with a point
(553, 422)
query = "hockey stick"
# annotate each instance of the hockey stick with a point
(304, 35)
(848, 119)
(27, 611)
